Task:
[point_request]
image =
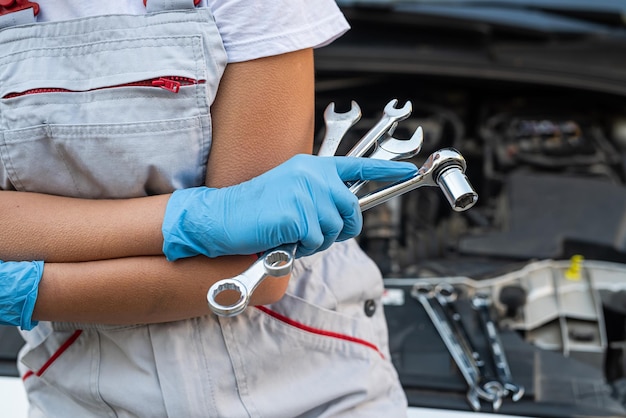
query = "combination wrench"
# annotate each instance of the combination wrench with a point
(481, 304)
(458, 347)
(337, 125)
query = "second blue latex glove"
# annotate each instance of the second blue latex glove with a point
(303, 200)
(19, 288)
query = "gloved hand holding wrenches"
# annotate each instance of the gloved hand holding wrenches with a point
(445, 171)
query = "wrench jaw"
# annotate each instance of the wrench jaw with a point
(473, 398)
(337, 125)
(393, 149)
(516, 391)
(493, 392)
(391, 116)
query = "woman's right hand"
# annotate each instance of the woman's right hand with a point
(304, 201)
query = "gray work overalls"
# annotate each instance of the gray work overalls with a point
(88, 109)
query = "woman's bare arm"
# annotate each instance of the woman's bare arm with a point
(264, 112)
(262, 118)
(139, 289)
(60, 229)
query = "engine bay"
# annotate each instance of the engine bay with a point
(546, 240)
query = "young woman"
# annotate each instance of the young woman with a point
(114, 117)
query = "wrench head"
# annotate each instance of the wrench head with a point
(516, 391)
(279, 261)
(472, 399)
(337, 125)
(493, 392)
(231, 309)
(400, 113)
(353, 115)
(403, 148)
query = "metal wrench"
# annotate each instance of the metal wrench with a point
(466, 364)
(279, 261)
(391, 116)
(337, 124)
(482, 303)
(393, 149)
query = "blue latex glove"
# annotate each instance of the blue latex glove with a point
(303, 200)
(19, 284)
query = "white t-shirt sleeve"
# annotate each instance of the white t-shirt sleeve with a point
(250, 28)
(259, 28)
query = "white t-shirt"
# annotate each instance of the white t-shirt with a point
(250, 28)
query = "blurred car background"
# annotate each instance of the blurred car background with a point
(533, 94)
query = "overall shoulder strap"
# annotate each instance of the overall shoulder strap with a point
(162, 5)
(23, 12)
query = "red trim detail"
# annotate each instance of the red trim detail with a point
(318, 331)
(195, 2)
(10, 6)
(54, 356)
(169, 83)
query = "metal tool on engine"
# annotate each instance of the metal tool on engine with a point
(457, 189)
(453, 335)
(481, 303)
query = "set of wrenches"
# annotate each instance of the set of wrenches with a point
(444, 168)
(439, 303)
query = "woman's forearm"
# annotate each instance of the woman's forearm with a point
(60, 229)
(139, 290)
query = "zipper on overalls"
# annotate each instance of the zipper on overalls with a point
(10, 6)
(169, 83)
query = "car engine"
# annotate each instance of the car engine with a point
(546, 240)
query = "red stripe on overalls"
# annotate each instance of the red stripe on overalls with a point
(54, 356)
(318, 331)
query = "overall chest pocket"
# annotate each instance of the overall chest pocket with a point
(97, 117)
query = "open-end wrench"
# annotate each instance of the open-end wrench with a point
(391, 116)
(444, 168)
(337, 124)
(477, 390)
(446, 295)
(393, 149)
(482, 303)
